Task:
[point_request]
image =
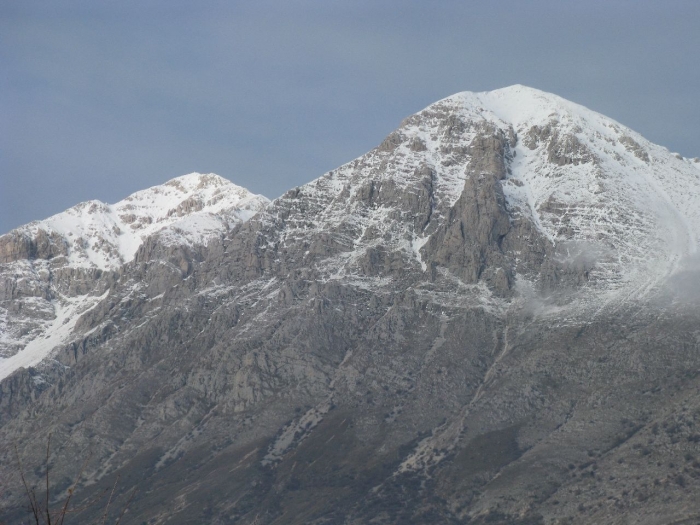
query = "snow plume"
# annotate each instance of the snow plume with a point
(581, 257)
(683, 286)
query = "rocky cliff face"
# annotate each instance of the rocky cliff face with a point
(477, 321)
(54, 270)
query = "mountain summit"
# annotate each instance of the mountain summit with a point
(55, 268)
(491, 317)
(93, 234)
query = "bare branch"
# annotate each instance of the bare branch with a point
(133, 492)
(104, 517)
(71, 490)
(88, 504)
(44, 515)
(33, 505)
(48, 451)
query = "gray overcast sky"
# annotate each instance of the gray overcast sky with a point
(100, 99)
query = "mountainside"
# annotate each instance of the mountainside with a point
(492, 317)
(57, 269)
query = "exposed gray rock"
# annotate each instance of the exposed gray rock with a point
(633, 146)
(400, 341)
(16, 246)
(469, 243)
(561, 149)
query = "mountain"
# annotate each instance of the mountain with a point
(58, 269)
(491, 317)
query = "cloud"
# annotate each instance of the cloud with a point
(683, 287)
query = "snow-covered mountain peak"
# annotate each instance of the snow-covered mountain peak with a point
(479, 189)
(209, 189)
(586, 182)
(584, 177)
(53, 266)
(187, 209)
(523, 107)
(518, 104)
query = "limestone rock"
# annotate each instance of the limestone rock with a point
(478, 321)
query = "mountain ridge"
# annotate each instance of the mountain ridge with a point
(92, 239)
(435, 332)
(122, 226)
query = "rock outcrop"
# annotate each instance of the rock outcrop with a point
(475, 322)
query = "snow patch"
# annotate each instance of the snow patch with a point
(416, 245)
(67, 313)
(186, 210)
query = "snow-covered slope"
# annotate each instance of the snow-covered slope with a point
(600, 193)
(585, 177)
(186, 210)
(56, 331)
(51, 269)
(465, 317)
(596, 190)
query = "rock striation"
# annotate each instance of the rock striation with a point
(55, 269)
(478, 321)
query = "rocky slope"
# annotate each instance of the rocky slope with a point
(489, 318)
(57, 269)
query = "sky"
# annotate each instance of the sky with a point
(101, 99)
